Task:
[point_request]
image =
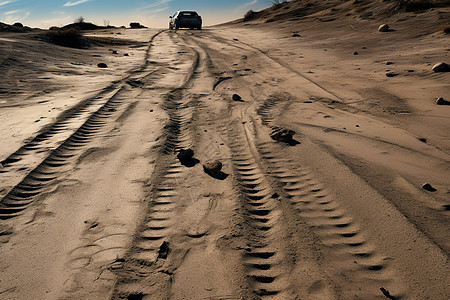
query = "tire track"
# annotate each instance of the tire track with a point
(62, 142)
(150, 257)
(52, 135)
(264, 258)
(46, 173)
(356, 258)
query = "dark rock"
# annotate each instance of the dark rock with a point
(126, 54)
(164, 250)
(357, 125)
(282, 135)
(212, 166)
(389, 63)
(102, 65)
(151, 110)
(185, 155)
(428, 187)
(295, 34)
(236, 97)
(235, 39)
(387, 293)
(442, 101)
(423, 140)
(384, 28)
(214, 169)
(391, 74)
(114, 52)
(355, 53)
(441, 67)
(18, 25)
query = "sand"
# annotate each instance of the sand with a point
(95, 204)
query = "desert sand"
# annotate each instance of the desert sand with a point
(324, 159)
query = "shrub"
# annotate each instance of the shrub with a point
(249, 15)
(18, 24)
(414, 5)
(67, 37)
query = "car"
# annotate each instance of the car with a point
(185, 19)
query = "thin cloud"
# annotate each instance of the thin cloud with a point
(16, 17)
(5, 2)
(75, 3)
(11, 12)
(156, 4)
(245, 6)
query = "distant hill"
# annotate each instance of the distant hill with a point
(85, 26)
(365, 9)
(17, 27)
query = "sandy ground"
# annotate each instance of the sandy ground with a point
(94, 203)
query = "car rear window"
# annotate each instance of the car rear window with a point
(188, 14)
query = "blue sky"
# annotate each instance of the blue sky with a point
(153, 13)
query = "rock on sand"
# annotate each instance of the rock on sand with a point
(441, 67)
(213, 167)
(383, 28)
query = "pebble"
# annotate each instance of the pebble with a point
(236, 97)
(442, 101)
(185, 154)
(102, 65)
(441, 67)
(428, 187)
(213, 167)
(391, 74)
(383, 28)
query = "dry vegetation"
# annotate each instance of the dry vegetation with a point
(70, 37)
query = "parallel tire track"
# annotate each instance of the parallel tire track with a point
(356, 258)
(93, 113)
(150, 249)
(264, 259)
(36, 182)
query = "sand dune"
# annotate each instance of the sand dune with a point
(95, 203)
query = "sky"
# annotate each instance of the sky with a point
(151, 13)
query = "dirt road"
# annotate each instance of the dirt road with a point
(97, 205)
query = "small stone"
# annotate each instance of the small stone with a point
(442, 101)
(295, 34)
(389, 63)
(126, 54)
(428, 187)
(163, 250)
(383, 28)
(357, 125)
(391, 74)
(423, 140)
(387, 293)
(185, 155)
(236, 97)
(235, 39)
(282, 135)
(441, 67)
(102, 65)
(213, 167)
(114, 52)
(151, 110)
(355, 53)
